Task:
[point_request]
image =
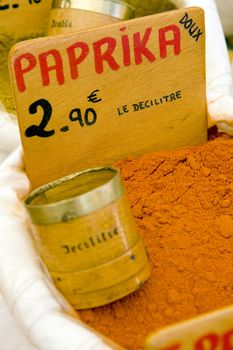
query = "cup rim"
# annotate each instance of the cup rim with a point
(80, 205)
(114, 8)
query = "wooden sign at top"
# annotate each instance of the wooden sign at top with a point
(87, 99)
(21, 19)
(213, 331)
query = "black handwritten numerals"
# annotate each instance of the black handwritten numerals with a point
(6, 6)
(39, 130)
(84, 118)
(90, 116)
(34, 1)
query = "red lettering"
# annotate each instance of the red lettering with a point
(208, 342)
(57, 67)
(125, 48)
(106, 56)
(175, 42)
(75, 61)
(20, 71)
(140, 48)
(228, 341)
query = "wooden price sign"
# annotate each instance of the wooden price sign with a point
(19, 20)
(23, 18)
(88, 99)
(213, 331)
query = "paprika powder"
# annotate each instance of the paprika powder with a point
(182, 202)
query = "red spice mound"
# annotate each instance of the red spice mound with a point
(183, 205)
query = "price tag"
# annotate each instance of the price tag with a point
(22, 18)
(19, 20)
(213, 331)
(88, 99)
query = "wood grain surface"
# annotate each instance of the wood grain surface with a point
(87, 99)
(19, 20)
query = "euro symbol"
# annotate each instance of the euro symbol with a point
(93, 97)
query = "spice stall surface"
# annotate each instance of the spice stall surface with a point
(182, 202)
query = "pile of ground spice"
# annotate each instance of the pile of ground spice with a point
(183, 205)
